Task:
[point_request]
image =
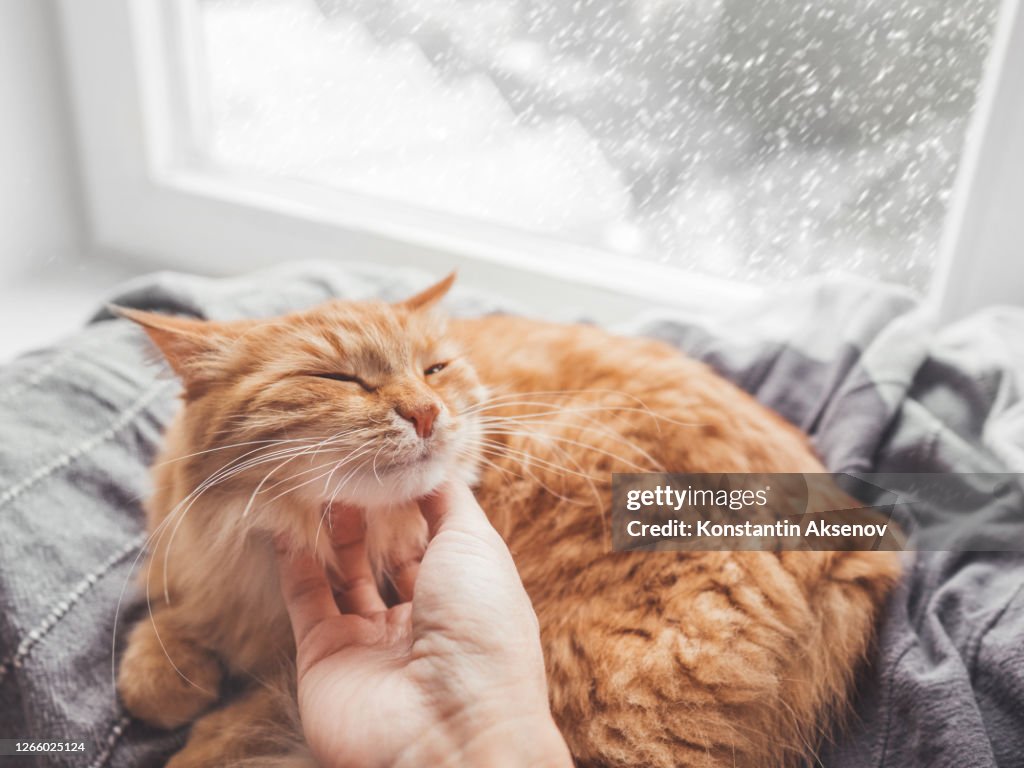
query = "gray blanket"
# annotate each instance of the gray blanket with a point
(857, 366)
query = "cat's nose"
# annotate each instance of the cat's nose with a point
(421, 415)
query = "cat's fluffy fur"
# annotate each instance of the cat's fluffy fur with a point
(654, 659)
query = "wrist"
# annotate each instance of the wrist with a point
(512, 742)
(533, 742)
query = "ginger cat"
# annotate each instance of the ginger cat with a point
(653, 659)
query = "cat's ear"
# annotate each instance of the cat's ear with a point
(190, 346)
(429, 297)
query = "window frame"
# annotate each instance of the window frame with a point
(149, 198)
(981, 261)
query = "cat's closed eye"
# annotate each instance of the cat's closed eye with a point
(347, 377)
(435, 368)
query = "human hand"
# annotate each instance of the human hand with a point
(454, 678)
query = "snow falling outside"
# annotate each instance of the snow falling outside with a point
(751, 139)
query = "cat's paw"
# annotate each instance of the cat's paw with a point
(166, 681)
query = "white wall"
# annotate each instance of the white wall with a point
(47, 285)
(40, 212)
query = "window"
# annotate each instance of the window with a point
(633, 144)
(754, 140)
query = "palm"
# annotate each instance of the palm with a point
(363, 678)
(359, 693)
(385, 686)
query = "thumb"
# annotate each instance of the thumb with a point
(454, 507)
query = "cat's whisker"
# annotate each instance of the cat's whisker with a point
(305, 446)
(232, 470)
(337, 436)
(552, 443)
(528, 467)
(219, 476)
(551, 408)
(466, 452)
(226, 472)
(237, 467)
(234, 463)
(327, 507)
(579, 469)
(228, 447)
(374, 463)
(326, 514)
(349, 458)
(327, 483)
(259, 486)
(559, 438)
(341, 484)
(480, 455)
(555, 393)
(567, 418)
(295, 475)
(567, 421)
(656, 465)
(527, 399)
(153, 540)
(163, 647)
(159, 533)
(120, 599)
(202, 488)
(540, 462)
(527, 461)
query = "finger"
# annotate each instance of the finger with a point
(406, 556)
(454, 507)
(357, 592)
(307, 594)
(404, 579)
